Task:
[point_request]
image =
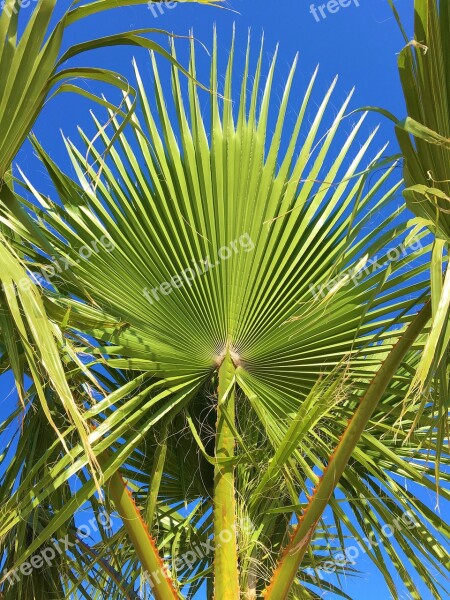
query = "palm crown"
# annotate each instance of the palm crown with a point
(197, 304)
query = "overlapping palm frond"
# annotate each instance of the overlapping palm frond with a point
(202, 245)
(32, 66)
(373, 504)
(424, 141)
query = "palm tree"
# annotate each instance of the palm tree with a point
(241, 319)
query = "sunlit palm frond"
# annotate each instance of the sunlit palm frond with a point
(424, 141)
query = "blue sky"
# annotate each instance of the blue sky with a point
(358, 42)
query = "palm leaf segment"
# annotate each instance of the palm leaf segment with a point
(32, 66)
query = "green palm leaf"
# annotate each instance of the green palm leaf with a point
(423, 137)
(29, 65)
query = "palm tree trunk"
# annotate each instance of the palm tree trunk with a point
(142, 541)
(226, 584)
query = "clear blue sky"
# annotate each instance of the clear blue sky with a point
(358, 42)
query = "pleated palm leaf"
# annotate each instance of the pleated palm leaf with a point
(248, 299)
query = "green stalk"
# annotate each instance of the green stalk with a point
(226, 583)
(143, 543)
(286, 571)
(156, 477)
